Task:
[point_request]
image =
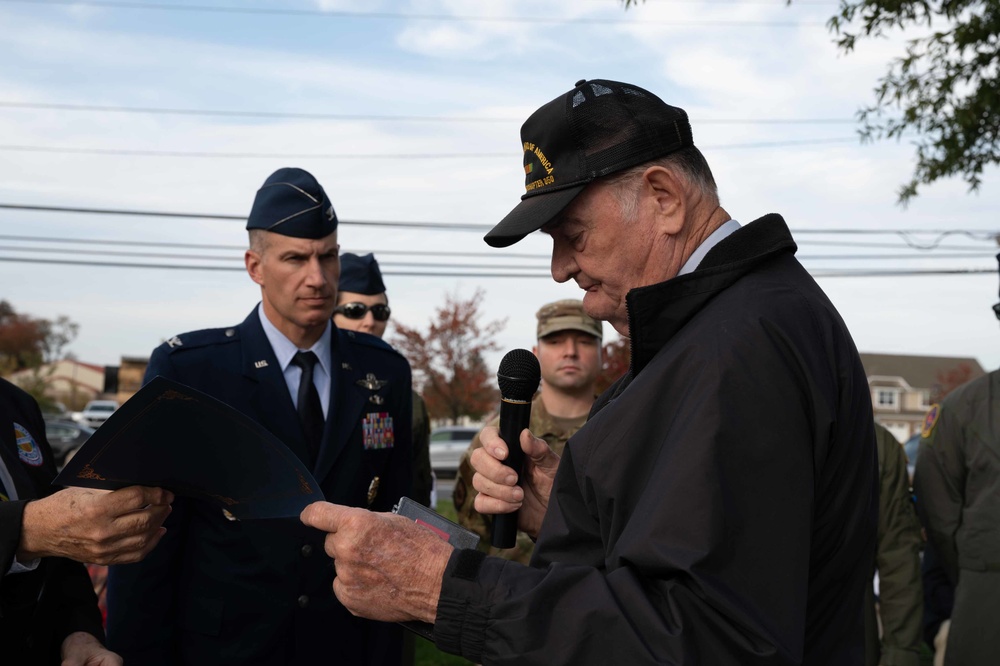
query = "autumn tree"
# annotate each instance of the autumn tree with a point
(448, 360)
(950, 379)
(615, 359)
(945, 90)
(27, 343)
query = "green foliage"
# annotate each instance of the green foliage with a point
(946, 88)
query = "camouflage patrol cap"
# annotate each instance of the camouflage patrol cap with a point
(291, 202)
(567, 315)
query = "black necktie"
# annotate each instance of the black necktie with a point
(310, 408)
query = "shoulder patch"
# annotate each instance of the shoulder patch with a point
(930, 420)
(27, 447)
(202, 338)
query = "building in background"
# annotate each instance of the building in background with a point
(904, 387)
(68, 382)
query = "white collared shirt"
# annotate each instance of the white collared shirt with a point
(710, 242)
(284, 351)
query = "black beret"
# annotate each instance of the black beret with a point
(291, 202)
(360, 275)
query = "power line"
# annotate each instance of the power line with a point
(129, 152)
(826, 273)
(114, 264)
(273, 11)
(242, 218)
(393, 263)
(906, 234)
(241, 248)
(225, 113)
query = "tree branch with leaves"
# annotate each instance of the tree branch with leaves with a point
(449, 369)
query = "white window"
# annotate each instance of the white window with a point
(925, 399)
(887, 398)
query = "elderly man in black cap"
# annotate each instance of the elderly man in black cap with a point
(363, 306)
(719, 506)
(220, 591)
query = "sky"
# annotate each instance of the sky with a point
(409, 112)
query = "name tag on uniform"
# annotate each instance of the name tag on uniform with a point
(377, 433)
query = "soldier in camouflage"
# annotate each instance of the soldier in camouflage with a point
(569, 354)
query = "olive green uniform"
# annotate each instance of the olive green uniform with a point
(422, 480)
(555, 431)
(958, 492)
(897, 559)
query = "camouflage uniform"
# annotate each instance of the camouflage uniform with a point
(422, 480)
(897, 559)
(555, 431)
(958, 493)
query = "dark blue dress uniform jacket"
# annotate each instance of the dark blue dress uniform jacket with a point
(38, 609)
(217, 591)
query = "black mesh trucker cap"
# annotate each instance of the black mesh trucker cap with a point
(596, 129)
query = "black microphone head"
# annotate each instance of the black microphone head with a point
(518, 375)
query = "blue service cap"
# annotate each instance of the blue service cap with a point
(360, 275)
(291, 202)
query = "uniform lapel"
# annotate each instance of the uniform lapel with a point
(347, 400)
(273, 406)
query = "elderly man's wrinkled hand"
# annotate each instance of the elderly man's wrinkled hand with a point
(95, 526)
(388, 567)
(497, 483)
(83, 649)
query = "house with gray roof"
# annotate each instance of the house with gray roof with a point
(904, 387)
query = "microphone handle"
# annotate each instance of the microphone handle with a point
(514, 417)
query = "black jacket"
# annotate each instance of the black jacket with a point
(719, 506)
(38, 609)
(260, 592)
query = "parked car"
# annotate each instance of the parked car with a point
(97, 412)
(447, 446)
(65, 438)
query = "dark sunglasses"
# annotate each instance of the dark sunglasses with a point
(380, 311)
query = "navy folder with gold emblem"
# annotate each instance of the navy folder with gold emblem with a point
(172, 436)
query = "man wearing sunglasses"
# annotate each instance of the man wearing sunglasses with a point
(259, 592)
(362, 305)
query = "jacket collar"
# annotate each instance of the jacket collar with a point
(657, 312)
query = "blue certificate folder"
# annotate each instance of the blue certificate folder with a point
(172, 436)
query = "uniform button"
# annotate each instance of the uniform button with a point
(230, 332)
(303, 601)
(307, 550)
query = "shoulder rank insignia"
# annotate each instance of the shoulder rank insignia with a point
(371, 383)
(174, 342)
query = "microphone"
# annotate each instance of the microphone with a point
(518, 377)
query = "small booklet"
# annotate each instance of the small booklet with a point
(172, 436)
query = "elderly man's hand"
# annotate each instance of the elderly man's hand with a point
(95, 526)
(82, 649)
(388, 567)
(496, 483)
